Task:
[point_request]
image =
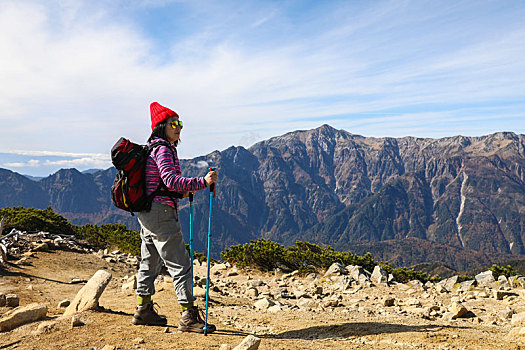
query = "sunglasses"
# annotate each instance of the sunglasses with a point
(176, 124)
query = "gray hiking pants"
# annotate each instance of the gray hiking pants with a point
(162, 242)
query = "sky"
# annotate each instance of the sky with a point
(75, 76)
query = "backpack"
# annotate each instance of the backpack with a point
(128, 191)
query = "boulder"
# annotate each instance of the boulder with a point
(389, 301)
(379, 275)
(275, 308)
(22, 315)
(76, 321)
(441, 289)
(88, 296)
(506, 314)
(263, 304)
(255, 283)
(413, 302)
(336, 269)
(300, 294)
(249, 343)
(108, 347)
(252, 292)
(514, 282)
(500, 294)
(465, 286)
(449, 283)
(3, 254)
(458, 310)
(12, 300)
(2, 300)
(306, 303)
(518, 319)
(130, 284)
(503, 282)
(217, 268)
(485, 278)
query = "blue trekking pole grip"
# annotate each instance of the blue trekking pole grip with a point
(212, 195)
(191, 238)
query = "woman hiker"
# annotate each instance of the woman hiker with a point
(162, 241)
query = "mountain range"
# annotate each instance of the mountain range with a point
(457, 200)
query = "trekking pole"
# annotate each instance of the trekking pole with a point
(191, 239)
(212, 195)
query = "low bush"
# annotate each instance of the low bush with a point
(110, 235)
(498, 270)
(308, 257)
(31, 219)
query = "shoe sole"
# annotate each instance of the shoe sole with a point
(138, 322)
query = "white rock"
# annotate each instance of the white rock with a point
(503, 282)
(500, 294)
(336, 269)
(252, 292)
(249, 343)
(12, 300)
(22, 315)
(305, 303)
(76, 321)
(218, 267)
(379, 275)
(458, 309)
(88, 296)
(130, 284)
(301, 294)
(263, 304)
(274, 309)
(449, 283)
(485, 278)
(518, 319)
(413, 302)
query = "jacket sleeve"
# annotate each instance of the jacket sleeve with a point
(169, 171)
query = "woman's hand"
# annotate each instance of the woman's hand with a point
(187, 194)
(211, 177)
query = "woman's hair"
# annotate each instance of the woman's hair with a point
(160, 131)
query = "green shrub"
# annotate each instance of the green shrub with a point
(110, 235)
(500, 270)
(308, 257)
(404, 274)
(263, 253)
(31, 219)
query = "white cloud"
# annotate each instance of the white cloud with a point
(56, 154)
(76, 76)
(79, 162)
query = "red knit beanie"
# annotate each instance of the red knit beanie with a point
(160, 113)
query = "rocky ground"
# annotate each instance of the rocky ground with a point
(344, 309)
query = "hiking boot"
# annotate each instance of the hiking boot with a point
(191, 321)
(146, 315)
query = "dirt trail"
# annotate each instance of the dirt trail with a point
(362, 322)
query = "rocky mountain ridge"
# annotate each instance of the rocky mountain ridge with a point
(463, 195)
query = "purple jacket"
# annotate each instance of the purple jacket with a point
(163, 163)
